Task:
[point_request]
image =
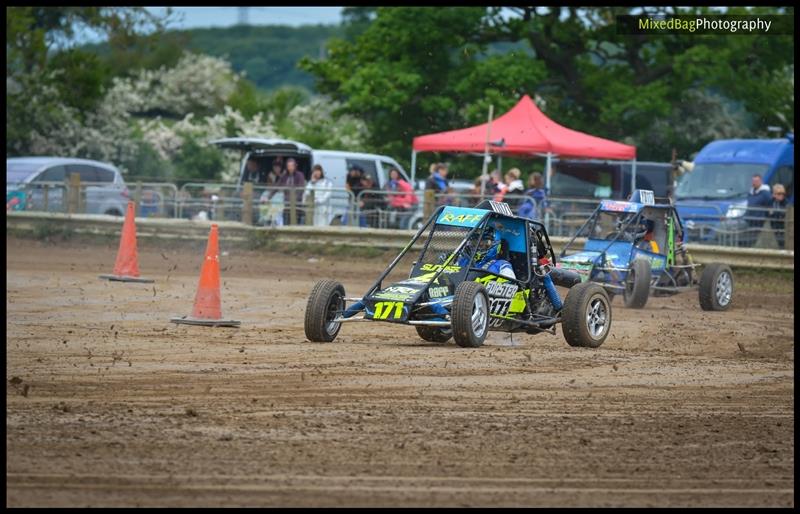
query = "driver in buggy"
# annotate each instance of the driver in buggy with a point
(640, 234)
(487, 256)
(644, 238)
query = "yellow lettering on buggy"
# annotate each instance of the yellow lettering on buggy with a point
(384, 309)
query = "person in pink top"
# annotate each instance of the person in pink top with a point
(401, 199)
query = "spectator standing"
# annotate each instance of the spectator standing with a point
(401, 200)
(253, 172)
(439, 183)
(499, 185)
(353, 185)
(275, 173)
(537, 197)
(777, 214)
(758, 200)
(372, 201)
(321, 186)
(514, 187)
(292, 177)
(438, 179)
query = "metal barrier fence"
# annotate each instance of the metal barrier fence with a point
(279, 206)
(266, 205)
(153, 199)
(236, 232)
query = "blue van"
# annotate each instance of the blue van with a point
(714, 194)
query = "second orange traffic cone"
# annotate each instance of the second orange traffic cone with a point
(126, 268)
(207, 302)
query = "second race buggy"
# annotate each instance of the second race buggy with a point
(636, 247)
(478, 269)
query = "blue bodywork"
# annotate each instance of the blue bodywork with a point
(709, 199)
(607, 261)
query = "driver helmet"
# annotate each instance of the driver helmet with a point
(489, 245)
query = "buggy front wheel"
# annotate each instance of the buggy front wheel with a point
(325, 303)
(716, 287)
(470, 314)
(586, 316)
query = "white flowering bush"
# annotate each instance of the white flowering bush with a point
(316, 124)
(198, 83)
(168, 138)
(191, 99)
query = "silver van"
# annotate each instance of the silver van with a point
(334, 163)
(106, 192)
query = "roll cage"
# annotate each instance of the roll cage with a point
(536, 244)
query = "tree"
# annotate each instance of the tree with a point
(419, 70)
(42, 63)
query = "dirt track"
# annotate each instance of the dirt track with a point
(109, 404)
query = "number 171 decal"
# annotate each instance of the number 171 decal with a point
(383, 310)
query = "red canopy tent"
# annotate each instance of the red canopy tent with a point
(524, 131)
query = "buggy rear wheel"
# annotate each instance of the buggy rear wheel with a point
(325, 303)
(470, 315)
(637, 284)
(435, 334)
(586, 316)
(716, 287)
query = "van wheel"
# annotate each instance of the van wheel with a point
(113, 212)
(336, 221)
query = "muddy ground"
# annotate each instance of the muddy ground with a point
(109, 404)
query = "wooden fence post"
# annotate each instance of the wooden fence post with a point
(74, 188)
(247, 213)
(310, 208)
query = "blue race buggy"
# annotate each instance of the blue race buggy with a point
(476, 269)
(635, 247)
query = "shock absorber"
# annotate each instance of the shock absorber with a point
(552, 292)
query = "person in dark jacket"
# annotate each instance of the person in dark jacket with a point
(777, 214)
(372, 202)
(758, 200)
(292, 177)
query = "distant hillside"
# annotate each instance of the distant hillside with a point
(267, 54)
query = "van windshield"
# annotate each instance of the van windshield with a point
(717, 181)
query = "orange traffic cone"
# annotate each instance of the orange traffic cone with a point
(207, 303)
(126, 269)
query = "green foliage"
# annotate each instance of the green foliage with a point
(247, 99)
(415, 70)
(146, 165)
(51, 85)
(281, 102)
(81, 80)
(199, 162)
(267, 55)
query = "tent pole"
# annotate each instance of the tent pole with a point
(633, 175)
(547, 172)
(413, 168)
(486, 151)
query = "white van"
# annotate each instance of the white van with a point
(334, 163)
